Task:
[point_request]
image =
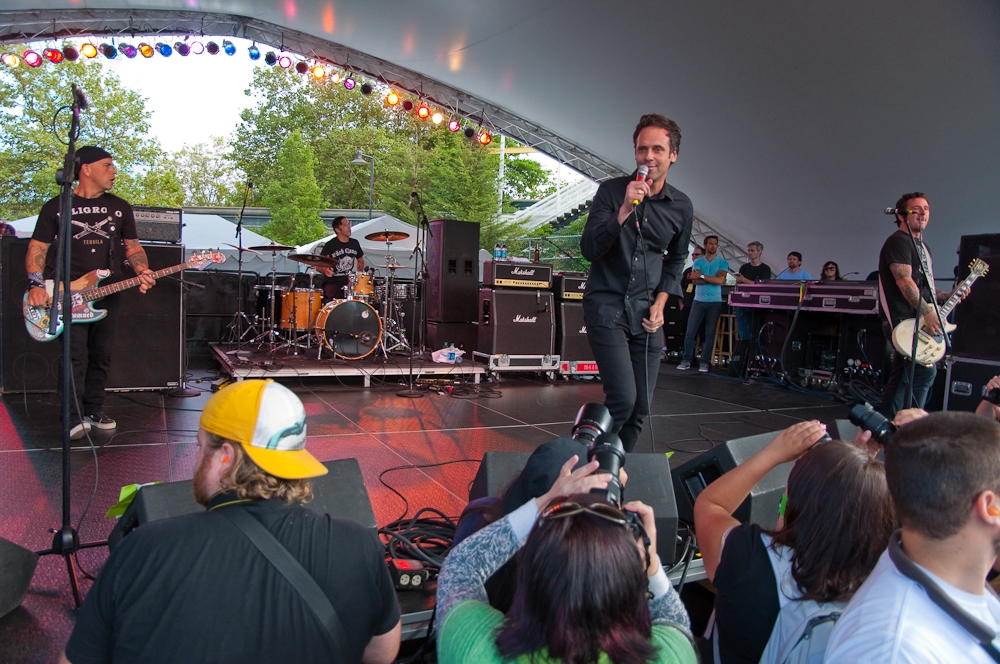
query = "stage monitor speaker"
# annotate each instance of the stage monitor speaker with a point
(516, 322)
(17, 566)
(453, 271)
(571, 334)
(465, 336)
(741, 357)
(147, 353)
(760, 507)
(978, 316)
(340, 493)
(210, 310)
(648, 481)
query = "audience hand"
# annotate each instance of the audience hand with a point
(645, 512)
(795, 441)
(863, 441)
(570, 481)
(908, 415)
(987, 409)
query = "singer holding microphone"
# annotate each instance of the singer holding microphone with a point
(633, 221)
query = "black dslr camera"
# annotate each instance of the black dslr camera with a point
(864, 416)
(591, 429)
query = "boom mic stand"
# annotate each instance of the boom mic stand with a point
(239, 318)
(65, 541)
(418, 273)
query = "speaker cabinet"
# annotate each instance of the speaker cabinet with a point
(571, 334)
(760, 507)
(465, 336)
(514, 322)
(978, 316)
(147, 354)
(648, 481)
(340, 493)
(17, 566)
(453, 269)
(209, 310)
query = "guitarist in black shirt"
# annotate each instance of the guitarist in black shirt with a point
(104, 237)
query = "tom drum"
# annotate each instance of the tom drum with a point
(306, 305)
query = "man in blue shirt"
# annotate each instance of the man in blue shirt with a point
(794, 271)
(708, 275)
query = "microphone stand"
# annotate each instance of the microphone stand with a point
(236, 326)
(418, 274)
(66, 541)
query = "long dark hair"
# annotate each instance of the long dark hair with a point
(836, 276)
(838, 520)
(581, 591)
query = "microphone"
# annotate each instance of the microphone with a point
(413, 194)
(80, 97)
(892, 210)
(993, 396)
(640, 176)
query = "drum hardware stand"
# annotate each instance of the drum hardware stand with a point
(420, 271)
(236, 330)
(269, 335)
(183, 390)
(391, 329)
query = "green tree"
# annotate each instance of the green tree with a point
(292, 195)
(208, 173)
(32, 135)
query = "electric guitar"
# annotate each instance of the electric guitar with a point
(85, 290)
(931, 347)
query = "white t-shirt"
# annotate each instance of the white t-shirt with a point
(891, 619)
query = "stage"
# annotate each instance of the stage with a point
(390, 436)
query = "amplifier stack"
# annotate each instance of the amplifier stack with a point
(453, 277)
(575, 356)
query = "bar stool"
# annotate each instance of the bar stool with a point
(724, 331)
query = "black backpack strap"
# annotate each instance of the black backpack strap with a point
(292, 570)
(975, 627)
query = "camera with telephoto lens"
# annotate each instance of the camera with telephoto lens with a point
(591, 429)
(864, 416)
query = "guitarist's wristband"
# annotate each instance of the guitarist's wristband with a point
(36, 280)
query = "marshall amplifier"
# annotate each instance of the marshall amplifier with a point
(516, 322)
(158, 224)
(571, 334)
(517, 275)
(569, 285)
(859, 297)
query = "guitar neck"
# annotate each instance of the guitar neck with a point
(956, 297)
(117, 287)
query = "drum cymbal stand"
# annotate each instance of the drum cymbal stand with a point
(270, 334)
(391, 329)
(292, 336)
(240, 326)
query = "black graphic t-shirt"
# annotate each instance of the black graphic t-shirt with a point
(348, 254)
(99, 226)
(756, 274)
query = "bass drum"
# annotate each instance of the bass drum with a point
(351, 329)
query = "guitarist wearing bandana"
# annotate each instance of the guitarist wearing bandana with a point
(104, 238)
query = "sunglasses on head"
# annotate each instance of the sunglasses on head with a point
(602, 510)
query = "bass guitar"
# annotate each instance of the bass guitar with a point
(85, 290)
(931, 347)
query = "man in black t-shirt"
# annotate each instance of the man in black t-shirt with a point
(906, 281)
(750, 273)
(350, 258)
(195, 588)
(104, 238)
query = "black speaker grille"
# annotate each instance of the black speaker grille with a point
(453, 271)
(516, 322)
(571, 334)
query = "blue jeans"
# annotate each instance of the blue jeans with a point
(707, 313)
(744, 323)
(899, 377)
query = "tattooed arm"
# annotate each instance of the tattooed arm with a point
(34, 263)
(136, 257)
(903, 274)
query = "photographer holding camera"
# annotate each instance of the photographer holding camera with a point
(581, 587)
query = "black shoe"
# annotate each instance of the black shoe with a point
(100, 421)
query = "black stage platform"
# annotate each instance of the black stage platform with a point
(155, 441)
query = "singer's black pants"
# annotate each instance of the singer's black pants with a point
(91, 347)
(629, 364)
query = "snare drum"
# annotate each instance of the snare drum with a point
(307, 304)
(349, 328)
(402, 292)
(362, 285)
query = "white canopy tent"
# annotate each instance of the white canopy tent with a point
(401, 251)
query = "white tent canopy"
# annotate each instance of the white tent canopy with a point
(401, 251)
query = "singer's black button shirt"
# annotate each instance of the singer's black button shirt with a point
(626, 273)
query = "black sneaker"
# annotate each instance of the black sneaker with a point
(100, 421)
(80, 430)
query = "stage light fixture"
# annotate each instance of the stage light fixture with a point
(11, 60)
(319, 71)
(127, 50)
(145, 50)
(89, 50)
(337, 77)
(484, 137)
(349, 82)
(469, 133)
(271, 58)
(301, 67)
(31, 58)
(53, 55)
(71, 54)
(407, 105)
(254, 52)
(164, 49)
(212, 48)
(109, 51)
(366, 89)
(437, 117)
(423, 112)
(228, 47)
(284, 62)
(392, 99)
(182, 49)
(198, 48)
(454, 125)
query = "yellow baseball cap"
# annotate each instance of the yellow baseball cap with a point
(269, 421)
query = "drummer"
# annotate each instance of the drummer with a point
(349, 256)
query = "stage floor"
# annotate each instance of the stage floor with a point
(155, 441)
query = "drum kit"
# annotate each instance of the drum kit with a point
(367, 319)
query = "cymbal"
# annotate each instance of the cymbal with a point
(314, 259)
(248, 249)
(393, 266)
(387, 236)
(272, 247)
